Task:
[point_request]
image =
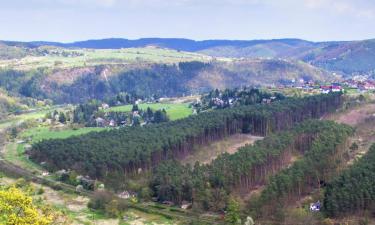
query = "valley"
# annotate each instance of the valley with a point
(214, 133)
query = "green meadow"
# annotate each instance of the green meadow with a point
(42, 133)
(174, 111)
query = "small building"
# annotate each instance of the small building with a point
(315, 207)
(105, 106)
(112, 123)
(126, 195)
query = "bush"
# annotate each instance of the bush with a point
(100, 200)
(40, 191)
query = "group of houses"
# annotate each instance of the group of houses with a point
(362, 85)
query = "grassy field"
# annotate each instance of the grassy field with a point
(15, 153)
(174, 111)
(23, 117)
(90, 57)
(41, 133)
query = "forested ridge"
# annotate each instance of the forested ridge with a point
(208, 186)
(128, 149)
(326, 155)
(354, 190)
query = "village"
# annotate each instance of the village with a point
(359, 84)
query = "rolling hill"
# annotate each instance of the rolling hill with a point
(345, 57)
(81, 83)
(71, 75)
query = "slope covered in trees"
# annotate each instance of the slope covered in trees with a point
(129, 149)
(326, 155)
(354, 190)
(82, 83)
(208, 186)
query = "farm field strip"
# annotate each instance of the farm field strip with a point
(174, 110)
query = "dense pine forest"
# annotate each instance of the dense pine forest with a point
(326, 155)
(208, 186)
(128, 150)
(354, 190)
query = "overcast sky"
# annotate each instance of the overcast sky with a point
(73, 20)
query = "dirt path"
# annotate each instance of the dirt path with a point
(354, 116)
(362, 118)
(230, 145)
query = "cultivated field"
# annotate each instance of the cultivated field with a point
(68, 58)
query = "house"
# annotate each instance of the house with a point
(325, 89)
(126, 195)
(112, 123)
(266, 101)
(105, 106)
(369, 86)
(45, 174)
(315, 207)
(336, 88)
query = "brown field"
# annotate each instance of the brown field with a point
(230, 145)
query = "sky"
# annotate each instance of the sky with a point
(75, 20)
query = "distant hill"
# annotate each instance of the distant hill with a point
(79, 84)
(347, 58)
(172, 43)
(41, 71)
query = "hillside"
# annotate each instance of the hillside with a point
(348, 58)
(9, 104)
(22, 58)
(80, 83)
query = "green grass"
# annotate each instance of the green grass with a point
(42, 133)
(23, 117)
(174, 111)
(15, 153)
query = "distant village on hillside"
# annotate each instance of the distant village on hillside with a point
(361, 84)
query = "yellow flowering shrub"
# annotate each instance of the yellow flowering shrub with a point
(16, 208)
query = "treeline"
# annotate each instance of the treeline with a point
(220, 99)
(318, 165)
(354, 190)
(94, 113)
(129, 150)
(208, 186)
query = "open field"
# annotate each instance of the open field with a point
(174, 111)
(41, 133)
(15, 153)
(230, 145)
(16, 119)
(91, 57)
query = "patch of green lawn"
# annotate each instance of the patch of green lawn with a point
(15, 153)
(42, 133)
(174, 111)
